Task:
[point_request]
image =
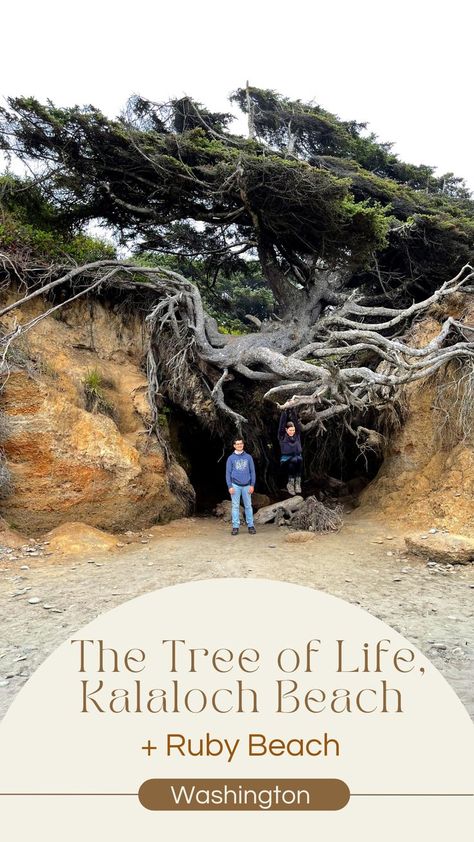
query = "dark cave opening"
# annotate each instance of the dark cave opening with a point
(333, 466)
(203, 456)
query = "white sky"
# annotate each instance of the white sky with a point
(404, 66)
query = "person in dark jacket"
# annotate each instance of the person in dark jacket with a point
(289, 436)
(240, 478)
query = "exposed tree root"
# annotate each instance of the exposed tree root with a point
(347, 363)
(312, 516)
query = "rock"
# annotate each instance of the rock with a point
(442, 548)
(10, 538)
(299, 537)
(77, 538)
(223, 510)
(34, 600)
(259, 501)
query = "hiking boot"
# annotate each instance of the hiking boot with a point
(290, 487)
(235, 530)
(298, 485)
(252, 530)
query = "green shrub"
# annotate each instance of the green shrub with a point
(96, 400)
(30, 227)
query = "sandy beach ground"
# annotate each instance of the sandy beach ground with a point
(365, 563)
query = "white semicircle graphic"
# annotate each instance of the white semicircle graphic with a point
(323, 670)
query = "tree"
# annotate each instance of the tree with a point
(352, 243)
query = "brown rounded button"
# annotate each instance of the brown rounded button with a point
(244, 794)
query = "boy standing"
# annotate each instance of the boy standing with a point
(240, 478)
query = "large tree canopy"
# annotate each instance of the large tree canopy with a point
(352, 242)
(309, 192)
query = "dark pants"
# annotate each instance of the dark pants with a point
(293, 466)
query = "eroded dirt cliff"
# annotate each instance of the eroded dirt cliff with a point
(427, 477)
(76, 455)
(76, 425)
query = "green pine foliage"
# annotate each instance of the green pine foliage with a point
(32, 231)
(229, 293)
(307, 191)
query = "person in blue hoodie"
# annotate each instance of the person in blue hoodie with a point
(240, 478)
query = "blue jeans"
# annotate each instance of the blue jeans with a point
(247, 501)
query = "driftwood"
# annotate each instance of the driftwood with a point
(312, 516)
(269, 513)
